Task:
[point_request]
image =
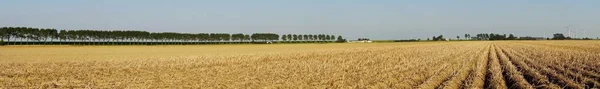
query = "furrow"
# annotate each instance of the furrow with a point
(458, 78)
(578, 77)
(585, 72)
(589, 83)
(418, 75)
(514, 77)
(477, 77)
(495, 78)
(444, 74)
(552, 75)
(531, 74)
(437, 78)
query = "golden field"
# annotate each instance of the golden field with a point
(426, 65)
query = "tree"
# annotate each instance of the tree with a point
(305, 37)
(331, 37)
(3, 33)
(492, 36)
(290, 37)
(51, 34)
(340, 39)
(438, 38)
(62, 35)
(284, 38)
(295, 37)
(274, 36)
(512, 37)
(458, 37)
(247, 37)
(559, 36)
(320, 37)
(234, 37)
(300, 37)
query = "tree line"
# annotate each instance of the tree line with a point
(43, 35)
(492, 36)
(308, 37)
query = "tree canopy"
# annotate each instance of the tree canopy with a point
(560, 36)
(27, 34)
(308, 37)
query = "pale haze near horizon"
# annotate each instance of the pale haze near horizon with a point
(374, 19)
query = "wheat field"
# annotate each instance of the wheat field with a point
(423, 65)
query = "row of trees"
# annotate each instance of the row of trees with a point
(308, 37)
(438, 38)
(27, 34)
(557, 36)
(560, 36)
(481, 36)
(492, 36)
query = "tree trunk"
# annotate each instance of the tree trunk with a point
(27, 42)
(8, 40)
(45, 40)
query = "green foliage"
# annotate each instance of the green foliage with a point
(264, 37)
(467, 36)
(2, 42)
(238, 37)
(407, 40)
(438, 38)
(295, 37)
(340, 39)
(512, 37)
(131, 37)
(284, 37)
(492, 36)
(560, 36)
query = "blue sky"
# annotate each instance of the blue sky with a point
(375, 19)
